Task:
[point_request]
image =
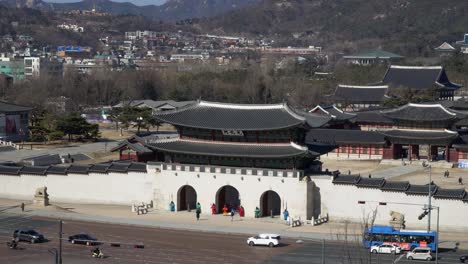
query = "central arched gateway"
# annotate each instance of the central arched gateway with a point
(186, 198)
(227, 195)
(270, 201)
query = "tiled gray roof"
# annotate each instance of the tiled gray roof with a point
(417, 78)
(99, 168)
(118, 167)
(346, 179)
(420, 137)
(395, 186)
(35, 170)
(333, 112)
(138, 147)
(10, 170)
(420, 189)
(374, 116)
(370, 182)
(346, 136)
(7, 107)
(207, 115)
(450, 193)
(421, 113)
(137, 167)
(359, 94)
(465, 199)
(212, 148)
(61, 170)
(78, 169)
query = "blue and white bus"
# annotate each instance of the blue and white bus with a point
(406, 239)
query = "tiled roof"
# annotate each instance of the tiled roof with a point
(373, 116)
(78, 169)
(35, 170)
(395, 186)
(212, 148)
(346, 136)
(465, 199)
(450, 193)
(62, 170)
(359, 94)
(333, 112)
(420, 189)
(422, 113)
(370, 182)
(418, 78)
(119, 167)
(7, 107)
(373, 54)
(99, 168)
(137, 167)
(346, 179)
(220, 116)
(420, 137)
(10, 170)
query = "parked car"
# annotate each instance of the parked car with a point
(420, 253)
(83, 239)
(29, 235)
(464, 258)
(271, 240)
(386, 249)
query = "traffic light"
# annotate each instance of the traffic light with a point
(421, 216)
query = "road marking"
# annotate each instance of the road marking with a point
(399, 258)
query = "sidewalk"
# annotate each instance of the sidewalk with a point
(116, 214)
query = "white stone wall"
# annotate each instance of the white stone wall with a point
(112, 188)
(341, 202)
(292, 191)
(346, 156)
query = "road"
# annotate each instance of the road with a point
(175, 246)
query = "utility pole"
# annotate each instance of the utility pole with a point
(429, 195)
(60, 243)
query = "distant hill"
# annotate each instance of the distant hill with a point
(171, 10)
(417, 24)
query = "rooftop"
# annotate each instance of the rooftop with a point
(359, 94)
(373, 54)
(222, 116)
(421, 113)
(8, 107)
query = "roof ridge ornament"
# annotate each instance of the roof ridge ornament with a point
(417, 67)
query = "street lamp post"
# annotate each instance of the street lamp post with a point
(139, 119)
(429, 194)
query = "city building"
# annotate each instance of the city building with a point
(372, 57)
(14, 122)
(37, 66)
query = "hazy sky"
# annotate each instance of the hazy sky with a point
(136, 2)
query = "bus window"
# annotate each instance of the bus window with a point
(377, 237)
(387, 237)
(405, 239)
(396, 238)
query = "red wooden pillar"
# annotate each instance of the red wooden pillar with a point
(359, 151)
(447, 153)
(410, 152)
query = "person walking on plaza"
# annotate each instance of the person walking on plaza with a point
(22, 207)
(460, 181)
(257, 212)
(213, 209)
(172, 206)
(198, 211)
(233, 212)
(241, 211)
(225, 210)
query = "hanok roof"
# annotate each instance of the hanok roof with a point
(208, 115)
(159, 105)
(231, 149)
(359, 94)
(418, 78)
(421, 113)
(35, 170)
(10, 170)
(395, 186)
(449, 193)
(445, 47)
(370, 182)
(346, 179)
(372, 117)
(332, 111)
(137, 147)
(420, 137)
(373, 54)
(344, 136)
(7, 107)
(421, 189)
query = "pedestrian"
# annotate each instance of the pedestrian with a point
(225, 210)
(172, 206)
(241, 211)
(233, 212)
(370, 176)
(22, 207)
(285, 214)
(198, 211)
(448, 173)
(257, 212)
(213, 209)
(349, 172)
(460, 181)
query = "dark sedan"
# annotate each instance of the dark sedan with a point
(464, 258)
(83, 239)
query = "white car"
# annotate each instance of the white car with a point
(271, 240)
(386, 249)
(420, 253)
